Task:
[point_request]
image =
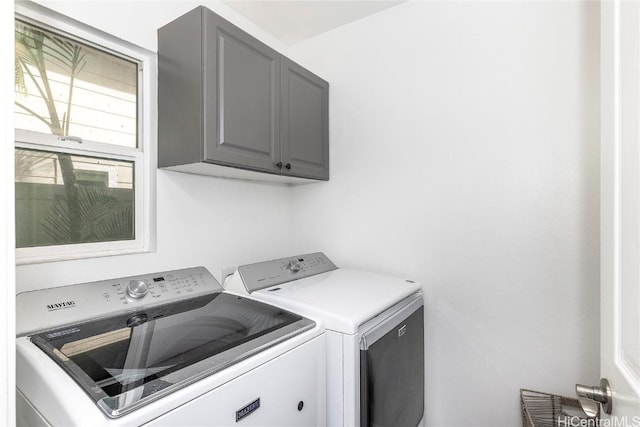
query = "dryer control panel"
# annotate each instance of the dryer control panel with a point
(266, 274)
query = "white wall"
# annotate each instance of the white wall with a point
(201, 220)
(464, 150)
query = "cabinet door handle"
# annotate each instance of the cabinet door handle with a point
(288, 166)
(279, 165)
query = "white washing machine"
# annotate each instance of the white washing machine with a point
(375, 334)
(165, 349)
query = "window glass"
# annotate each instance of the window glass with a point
(65, 199)
(67, 88)
(78, 143)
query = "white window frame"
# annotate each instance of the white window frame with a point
(143, 156)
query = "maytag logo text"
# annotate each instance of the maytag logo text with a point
(61, 305)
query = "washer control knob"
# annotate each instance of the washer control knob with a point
(294, 265)
(137, 289)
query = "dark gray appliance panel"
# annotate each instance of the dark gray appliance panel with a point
(392, 376)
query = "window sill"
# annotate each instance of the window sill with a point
(24, 258)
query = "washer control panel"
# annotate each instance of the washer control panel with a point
(46, 308)
(263, 275)
(157, 287)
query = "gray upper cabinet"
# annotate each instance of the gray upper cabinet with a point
(227, 99)
(304, 133)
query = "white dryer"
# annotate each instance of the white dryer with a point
(375, 334)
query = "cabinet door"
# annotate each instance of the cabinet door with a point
(241, 106)
(304, 123)
(180, 91)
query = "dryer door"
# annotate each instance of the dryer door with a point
(392, 369)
